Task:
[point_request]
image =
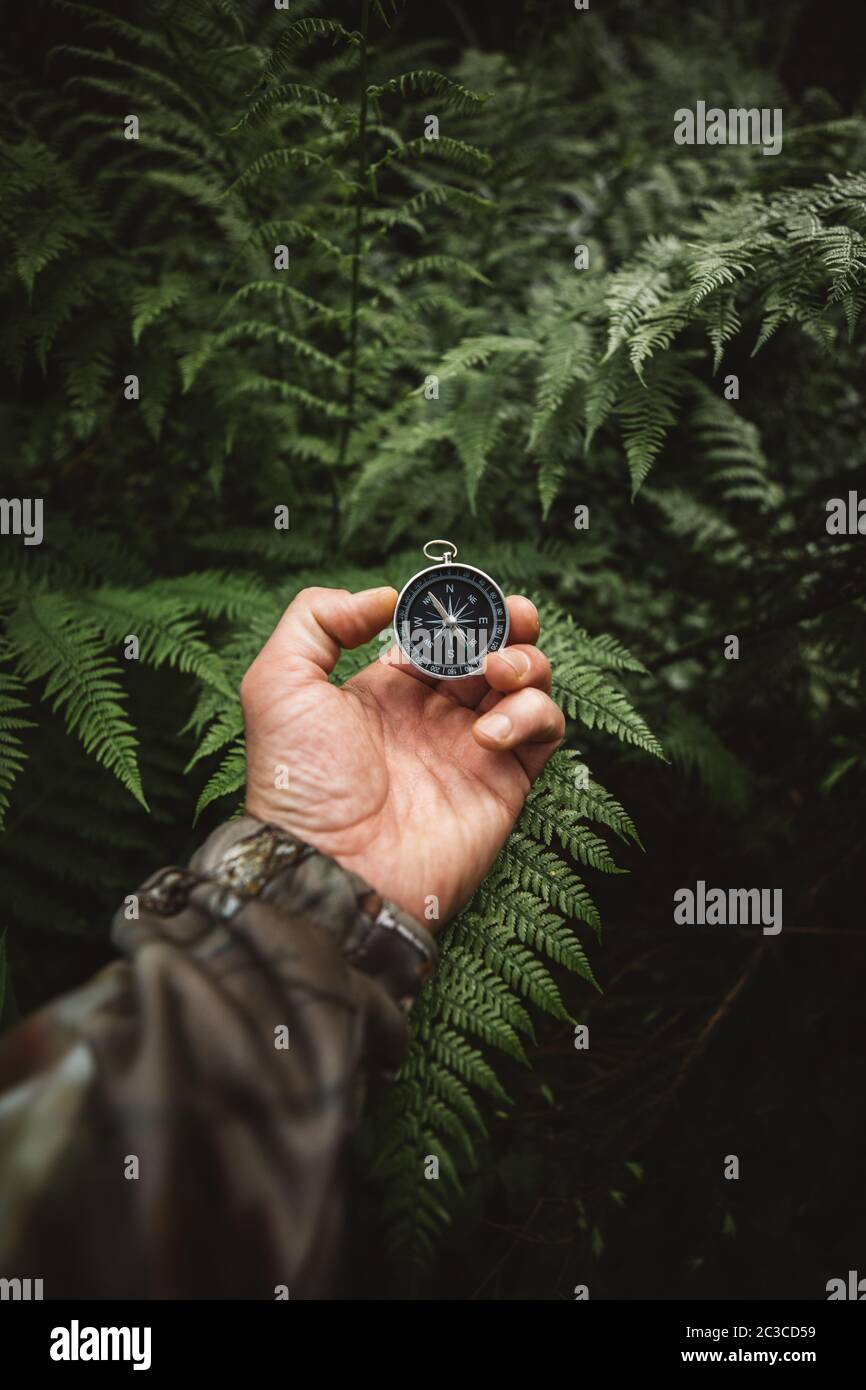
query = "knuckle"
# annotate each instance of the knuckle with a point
(541, 667)
(313, 592)
(542, 706)
(304, 598)
(549, 716)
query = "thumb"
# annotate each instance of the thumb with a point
(319, 623)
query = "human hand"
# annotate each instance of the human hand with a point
(412, 783)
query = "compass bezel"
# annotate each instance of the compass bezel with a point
(435, 571)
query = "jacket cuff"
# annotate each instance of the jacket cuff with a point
(246, 858)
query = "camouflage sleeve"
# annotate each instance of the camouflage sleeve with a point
(177, 1127)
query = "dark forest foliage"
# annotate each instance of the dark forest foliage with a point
(559, 388)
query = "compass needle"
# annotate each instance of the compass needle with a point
(446, 617)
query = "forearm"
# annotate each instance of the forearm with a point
(177, 1128)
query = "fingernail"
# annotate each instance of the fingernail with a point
(518, 661)
(534, 611)
(379, 589)
(496, 726)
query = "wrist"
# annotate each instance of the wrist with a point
(368, 860)
(251, 857)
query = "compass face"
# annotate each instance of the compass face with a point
(448, 618)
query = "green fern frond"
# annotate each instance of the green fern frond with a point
(279, 229)
(52, 641)
(566, 639)
(719, 313)
(220, 593)
(696, 522)
(543, 873)
(477, 352)
(284, 95)
(631, 295)
(427, 82)
(226, 728)
(549, 822)
(458, 152)
(658, 329)
(12, 754)
(149, 302)
(95, 18)
(148, 76)
(228, 779)
(732, 445)
(519, 968)
(61, 301)
(713, 266)
(566, 781)
(260, 330)
(301, 32)
(451, 1050)
(281, 291)
(586, 695)
(560, 444)
(474, 1000)
(289, 157)
(566, 358)
(602, 392)
(165, 631)
(696, 750)
(422, 266)
(477, 425)
(648, 410)
(439, 195)
(526, 915)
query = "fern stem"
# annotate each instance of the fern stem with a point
(354, 302)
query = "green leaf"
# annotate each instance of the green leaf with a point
(228, 779)
(12, 755)
(52, 641)
(426, 82)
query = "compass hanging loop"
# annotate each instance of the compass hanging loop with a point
(445, 558)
